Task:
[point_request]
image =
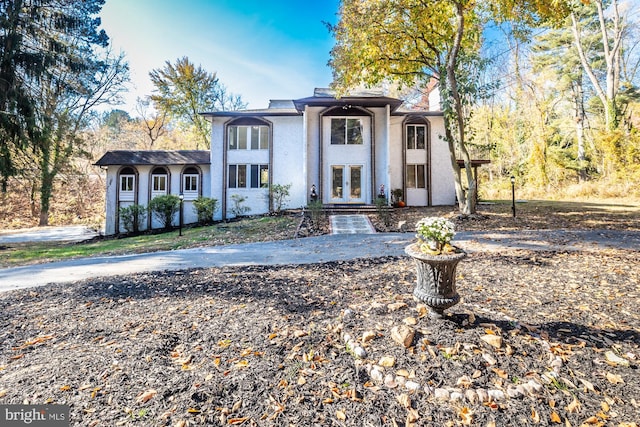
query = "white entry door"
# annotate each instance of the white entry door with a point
(346, 183)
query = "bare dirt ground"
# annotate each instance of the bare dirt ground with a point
(540, 338)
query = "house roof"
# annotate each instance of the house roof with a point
(360, 101)
(154, 157)
(321, 98)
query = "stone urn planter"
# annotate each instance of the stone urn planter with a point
(436, 278)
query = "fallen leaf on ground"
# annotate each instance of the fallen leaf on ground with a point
(466, 416)
(614, 378)
(574, 406)
(146, 396)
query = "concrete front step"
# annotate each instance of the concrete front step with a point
(351, 224)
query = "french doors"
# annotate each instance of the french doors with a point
(347, 183)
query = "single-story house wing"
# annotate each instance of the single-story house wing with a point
(135, 177)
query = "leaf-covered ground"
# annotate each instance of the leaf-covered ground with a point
(539, 338)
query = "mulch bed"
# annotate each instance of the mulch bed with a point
(539, 338)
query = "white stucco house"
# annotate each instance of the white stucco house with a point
(345, 151)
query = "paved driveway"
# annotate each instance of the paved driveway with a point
(305, 251)
(47, 234)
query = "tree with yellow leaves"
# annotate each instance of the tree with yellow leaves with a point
(412, 41)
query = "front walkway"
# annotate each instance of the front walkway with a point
(351, 224)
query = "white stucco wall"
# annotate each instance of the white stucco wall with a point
(289, 158)
(442, 182)
(286, 157)
(312, 134)
(110, 200)
(295, 159)
(383, 144)
(216, 183)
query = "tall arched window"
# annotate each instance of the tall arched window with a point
(417, 167)
(127, 184)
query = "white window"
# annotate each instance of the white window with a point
(416, 137)
(127, 183)
(346, 131)
(190, 183)
(159, 184)
(248, 176)
(191, 180)
(248, 137)
(416, 176)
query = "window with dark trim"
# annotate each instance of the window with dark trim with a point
(248, 137)
(248, 176)
(259, 176)
(346, 131)
(416, 137)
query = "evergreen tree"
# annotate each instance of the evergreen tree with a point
(56, 66)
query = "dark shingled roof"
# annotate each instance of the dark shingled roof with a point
(155, 157)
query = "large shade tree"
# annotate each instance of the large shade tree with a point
(413, 41)
(184, 90)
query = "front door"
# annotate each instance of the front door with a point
(346, 159)
(346, 183)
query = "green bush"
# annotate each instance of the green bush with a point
(132, 216)
(279, 195)
(205, 207)
(238, 208)
(384, 213)
(164, 209)
(316, 212)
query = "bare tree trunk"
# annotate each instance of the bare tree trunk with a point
(466, 199)
(611, 54)
(580, 119)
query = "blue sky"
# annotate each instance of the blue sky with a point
(261, 50)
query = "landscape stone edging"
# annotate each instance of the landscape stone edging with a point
(532, 388)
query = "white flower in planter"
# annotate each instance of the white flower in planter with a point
(435, 234)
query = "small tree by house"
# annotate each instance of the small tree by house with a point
(238, 208)
(279, 196)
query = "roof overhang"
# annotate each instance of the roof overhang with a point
(348, 101)
(253, 113)
(474, 162)
(154, 157)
